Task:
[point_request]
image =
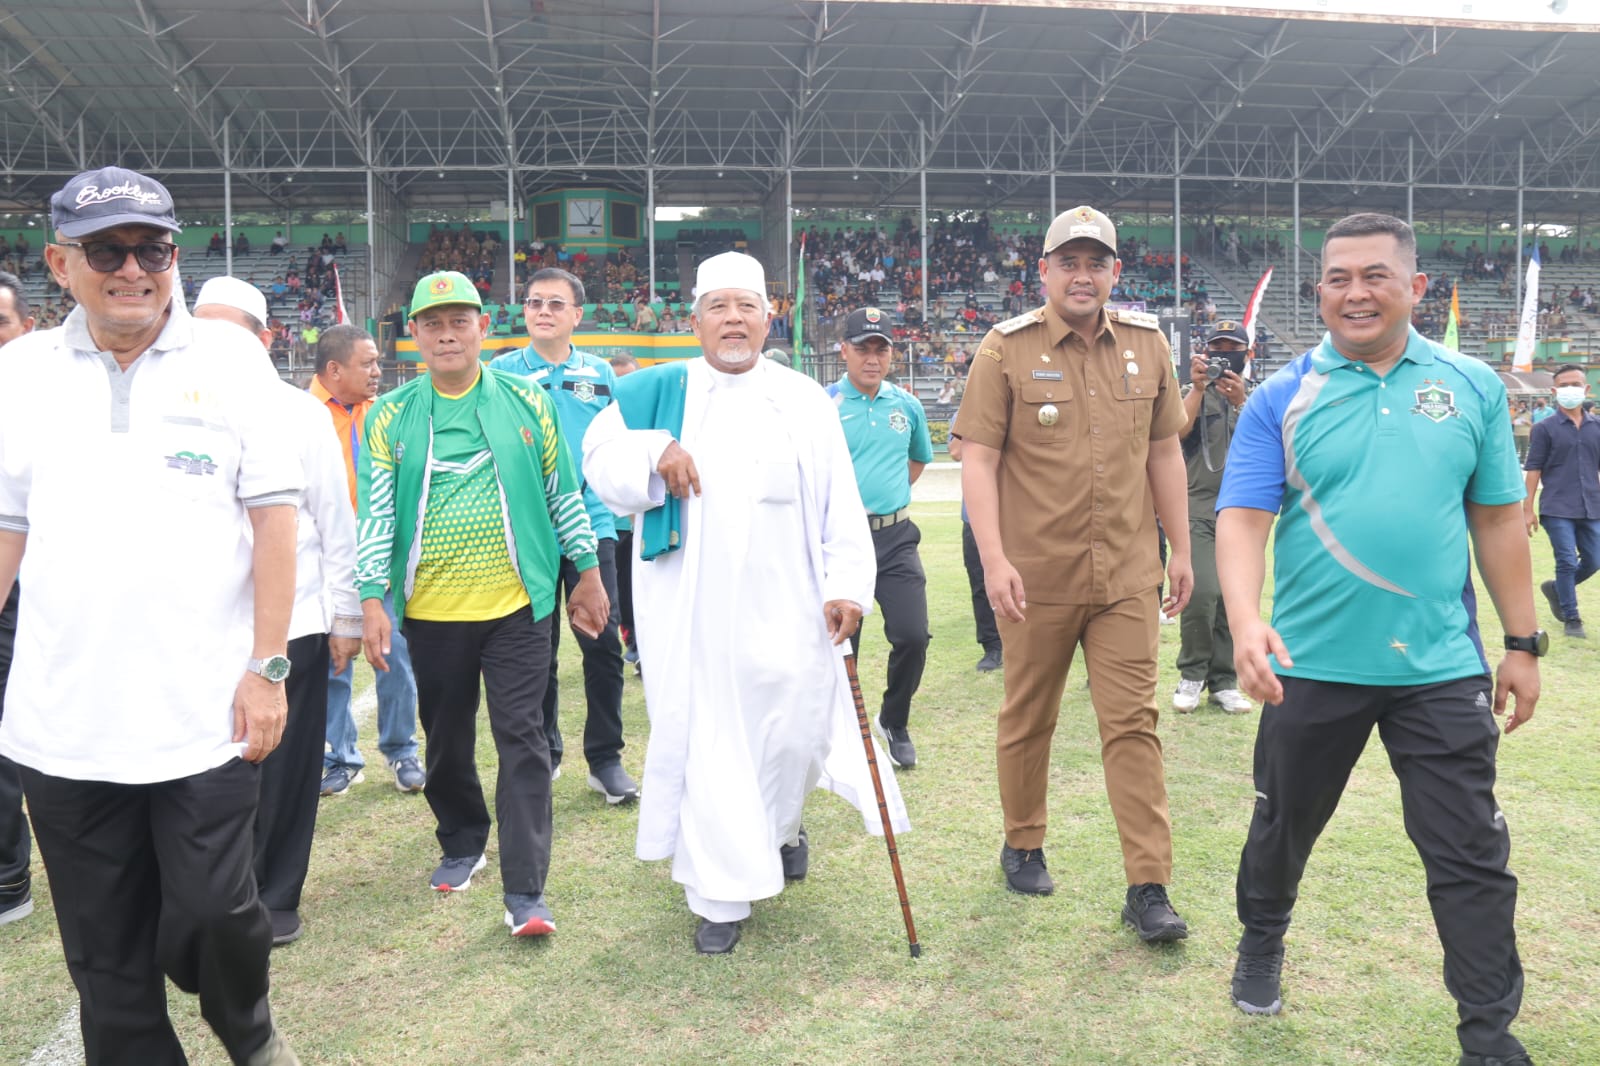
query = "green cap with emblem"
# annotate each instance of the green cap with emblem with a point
(441, 288)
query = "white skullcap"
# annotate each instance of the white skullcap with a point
(730, 270)
(232, 292)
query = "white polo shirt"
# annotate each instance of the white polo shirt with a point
(132, 487)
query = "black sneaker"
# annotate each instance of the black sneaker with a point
(902, 752)
(715, 938)
(1150, 914)
(1574, 628)
(1520, 1059)
(16, 901)
(1257, 987)
(454, 874)
(614, 784)
(993, 659)
(1025, 871)
(286, 927)
(796, 858)
(528, 915)
(1550, 597)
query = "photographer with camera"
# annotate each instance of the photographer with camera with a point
(1211, 406)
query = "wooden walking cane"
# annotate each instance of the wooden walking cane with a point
(883, 805)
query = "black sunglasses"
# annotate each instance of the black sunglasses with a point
(107, 256)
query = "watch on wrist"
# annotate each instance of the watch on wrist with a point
(275, 668)
(1536, 643)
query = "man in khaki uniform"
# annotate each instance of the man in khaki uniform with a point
(1070, 423)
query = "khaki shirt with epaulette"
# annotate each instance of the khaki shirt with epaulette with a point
(1073, 418)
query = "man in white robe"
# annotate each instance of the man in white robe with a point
(744, 612)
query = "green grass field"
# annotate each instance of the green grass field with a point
(389, 972)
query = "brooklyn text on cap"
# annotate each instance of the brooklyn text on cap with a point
(1080, 222)
(867, 322)
(444, 287)
(235, 293)
(1229, 330)
(730, 270)
(109, 197)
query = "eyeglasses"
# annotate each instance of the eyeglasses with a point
(107, 257)
(538, 303)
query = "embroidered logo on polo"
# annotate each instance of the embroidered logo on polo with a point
(399, 450)
(899, 422)
(1435, 402)
(527, 435)
(583, 390)
(197, 463)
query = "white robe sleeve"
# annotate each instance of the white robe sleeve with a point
(849, 560)
(620, 463)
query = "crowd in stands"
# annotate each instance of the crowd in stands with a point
(978, 275)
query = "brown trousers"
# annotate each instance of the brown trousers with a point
(1119, 648)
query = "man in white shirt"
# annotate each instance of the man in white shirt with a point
(326, 624)
(164, 496)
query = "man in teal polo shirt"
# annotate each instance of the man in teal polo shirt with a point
(887, 432)
(581, 386)
(1379, 453)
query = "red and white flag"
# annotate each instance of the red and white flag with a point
(340, 315)
(1254, 307)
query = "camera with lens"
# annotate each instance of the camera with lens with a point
(1215, 367)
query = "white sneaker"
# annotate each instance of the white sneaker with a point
(1233, 701)
(1187, 698)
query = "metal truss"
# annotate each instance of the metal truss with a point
(711, 101)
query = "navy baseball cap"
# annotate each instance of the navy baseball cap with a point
(111, 196)
(866, 322)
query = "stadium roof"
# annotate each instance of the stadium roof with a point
(300, 99)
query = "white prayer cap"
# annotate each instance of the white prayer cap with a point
(730, 270)
(232, 292)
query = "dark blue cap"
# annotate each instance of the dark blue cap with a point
(109, 197)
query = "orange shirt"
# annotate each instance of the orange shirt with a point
(350, 423)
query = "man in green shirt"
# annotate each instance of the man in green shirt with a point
(468, 501)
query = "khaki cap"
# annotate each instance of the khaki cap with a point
(1084, 222)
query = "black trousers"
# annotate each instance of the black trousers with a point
(982, 613)
(624, 570)
(150, 880)
(15, 848)
(602, 671)
(512, 654)
(1441, 740)
(902, 595)
(291, 779)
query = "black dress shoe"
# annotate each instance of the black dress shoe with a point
(715, 938)
(993, 659)
(1025, 871)
(796, 858)
(1150, 914)
(1469, 1059)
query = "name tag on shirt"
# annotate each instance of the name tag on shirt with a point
(1047, 375)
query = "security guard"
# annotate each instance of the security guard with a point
(1071, 421)
(887, 432)
(1210, 412)
(581, 386)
